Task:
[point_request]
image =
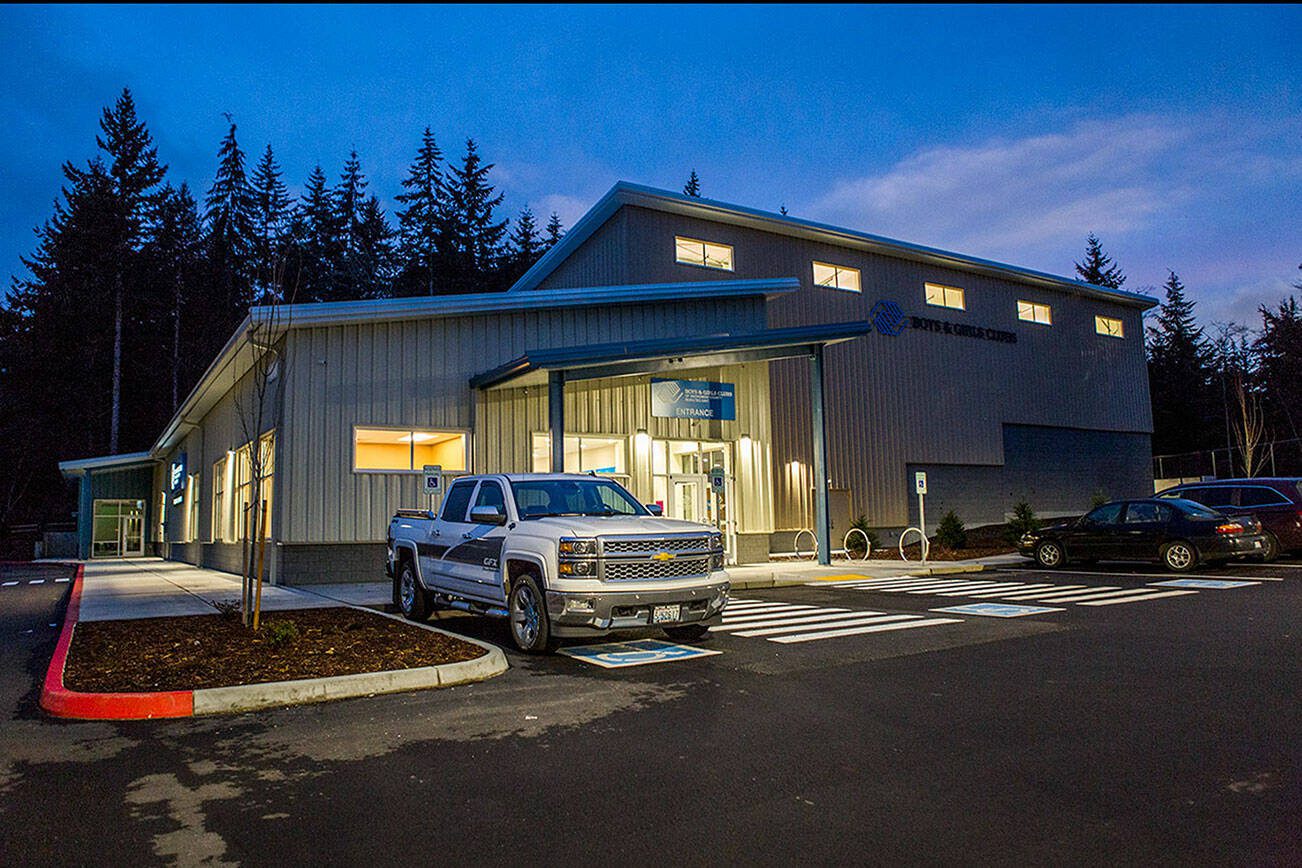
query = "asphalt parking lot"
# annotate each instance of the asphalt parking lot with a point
(839, 722)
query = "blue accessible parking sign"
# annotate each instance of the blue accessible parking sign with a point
(640, 652)
(998, 610)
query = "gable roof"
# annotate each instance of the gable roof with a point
(626, 193)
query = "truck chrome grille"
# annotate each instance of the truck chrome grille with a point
(617, 571)
(652, 545)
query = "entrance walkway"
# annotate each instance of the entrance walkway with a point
(155, 588)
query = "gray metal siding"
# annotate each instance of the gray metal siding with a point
(920, 397)
(417, 373)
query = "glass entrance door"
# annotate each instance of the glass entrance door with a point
(118, 529)
(681, 477)
(686, 498)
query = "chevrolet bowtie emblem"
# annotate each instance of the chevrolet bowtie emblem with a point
(663, 556)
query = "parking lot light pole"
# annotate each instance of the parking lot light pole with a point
(822, 521)
(556, 418)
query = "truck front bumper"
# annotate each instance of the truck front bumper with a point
(584, 613)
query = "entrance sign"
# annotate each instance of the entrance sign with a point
(693, 399)
(433, 474)
(920, 482)
(176, 477)
(718, 479)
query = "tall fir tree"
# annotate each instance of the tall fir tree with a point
(1278, 352)
(525, 245)
(316, 258)
(229, 218)
(473, 232)
(554, 230)
(350, 197)
(176, 250)
(420, 221)
(271, 213)
(373, 264)
(1097, 267)
(693, 185)
(1180, 376)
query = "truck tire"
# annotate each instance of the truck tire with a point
(412, 599)
(531, 628)
(688, 632)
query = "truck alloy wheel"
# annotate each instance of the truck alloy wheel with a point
(530, 628)
(412, 599)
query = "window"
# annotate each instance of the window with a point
(192, 508)
(1147, 513)
(1259, 496)
(945, 296)
(243, 501)
(490, 494)
(707, 254)
(1033, 311)
(583, 453)
(407, 450)
(1106, 514)
(535, 498)
(457, 501)
(219, 525)
(836, 276)
(1106, 325)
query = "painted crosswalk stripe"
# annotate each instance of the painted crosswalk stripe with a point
(886, 583)
(997, 590)
(37, 582)
(806, 621)
(753, 607)
(10, 584)
(864, 619)
(1084, 594)
(871, 628)
(1101, 594)
(63, 580)
(755, 616)
(1156, 596)
(1031, 595)
(959, 587)
(915, 585)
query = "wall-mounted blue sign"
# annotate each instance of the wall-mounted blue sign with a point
(176, 476)
(693, 399)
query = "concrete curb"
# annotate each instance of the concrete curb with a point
(59, 701)
(780, 581)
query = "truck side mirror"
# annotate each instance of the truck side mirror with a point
(487, 515)
(655, 509)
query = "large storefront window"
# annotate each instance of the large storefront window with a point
(404, 450)
(584, 453)
(244, 484)
(117, 529)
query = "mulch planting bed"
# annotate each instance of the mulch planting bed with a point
(940, 553)
(198, 651)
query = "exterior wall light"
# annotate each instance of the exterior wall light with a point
(642, 440)
(744, 440)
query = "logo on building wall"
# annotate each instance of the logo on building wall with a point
(887, 318)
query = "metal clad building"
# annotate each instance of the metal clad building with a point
(1002, 383)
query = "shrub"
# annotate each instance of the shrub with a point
(855, 548)
(281, 632)
(951, 533)
(1023, 521)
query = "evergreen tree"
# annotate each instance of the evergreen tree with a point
(693, 185)
(316, 256)
(1278, 351)
(554, 230)
(230, 220)
(175, 251)
(473, 232)
(373, 259)
(525, 245)
(350, 197)
(1098, 268)
(1180, 376)
(420, 221)
(271, 212)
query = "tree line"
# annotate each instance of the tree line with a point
(1218, 386)
(136, 282)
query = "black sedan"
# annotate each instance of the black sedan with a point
(1177, 533)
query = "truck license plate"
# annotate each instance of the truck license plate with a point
(665, 614)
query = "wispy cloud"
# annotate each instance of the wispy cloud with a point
(1162, 191)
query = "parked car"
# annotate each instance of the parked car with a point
(1177, 533)
(559, 555)
(1276, 503)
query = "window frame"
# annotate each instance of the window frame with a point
(837, 271)
(220, 499)
(1034, 306)
(1099, 328)
(473, 486)
(945, 289)
(705, 258)
(465, 433)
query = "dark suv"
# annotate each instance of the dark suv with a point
(1276, 503)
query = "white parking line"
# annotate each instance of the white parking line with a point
(1137, 593)
(756, 616)
(1064, 596)
(10, 584)
(37, 582)
(1029, 595)
(1159, 595)
(873, 628)
(1016, 586)
(800, 618)
(862, 619)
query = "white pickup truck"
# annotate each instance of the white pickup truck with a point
(560, 555)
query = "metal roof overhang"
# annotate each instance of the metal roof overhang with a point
(126, 461)
(664, 355)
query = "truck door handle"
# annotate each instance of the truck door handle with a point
(436, 531)
(466, 535)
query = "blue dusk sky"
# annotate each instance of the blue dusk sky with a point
(1174, 133)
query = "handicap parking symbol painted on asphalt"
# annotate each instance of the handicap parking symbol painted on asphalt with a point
(998, 610)
(1203, 583)
(616, 655)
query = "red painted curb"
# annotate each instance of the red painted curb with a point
(62, 702)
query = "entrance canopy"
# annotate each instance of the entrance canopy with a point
(629, 358)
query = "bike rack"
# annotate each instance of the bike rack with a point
(795, 543)
(922, 538)
(867, 544)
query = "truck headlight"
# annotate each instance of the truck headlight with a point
(573, 547)
(716, 561)
(584, 569)
(716, 542)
